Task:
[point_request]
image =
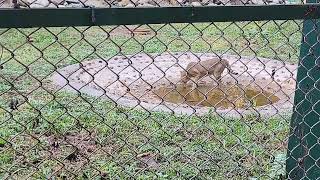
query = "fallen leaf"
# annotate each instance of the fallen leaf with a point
(149, 160)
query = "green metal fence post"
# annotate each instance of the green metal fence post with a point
(303, 154)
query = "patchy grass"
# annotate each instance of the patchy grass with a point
(57, 134)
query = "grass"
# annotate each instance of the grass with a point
(95, 138)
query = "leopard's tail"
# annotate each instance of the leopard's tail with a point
(227, 65)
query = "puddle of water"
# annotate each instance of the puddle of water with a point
(225, 97)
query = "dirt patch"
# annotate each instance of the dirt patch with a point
(132, 81)
(132, 30)
(66, 154)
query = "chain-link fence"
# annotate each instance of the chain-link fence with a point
(202, 100)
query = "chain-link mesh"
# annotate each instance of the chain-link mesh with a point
(147, 101)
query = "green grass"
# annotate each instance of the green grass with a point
(208, 147)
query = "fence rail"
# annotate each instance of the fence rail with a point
(24, 18)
